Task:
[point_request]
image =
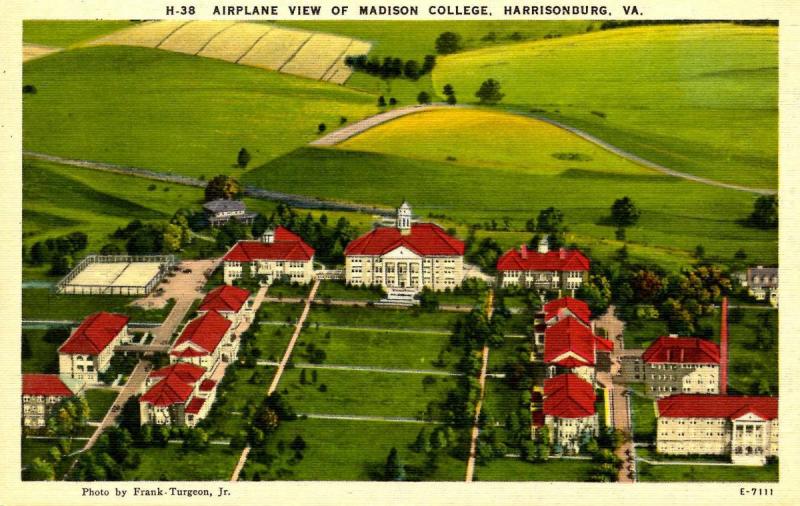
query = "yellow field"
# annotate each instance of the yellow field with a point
(463, 136)
(193, 36)
(145, 34)
(339, 72)
(317, 56)
(300, 52)
(33, 51)
(234, 42)
(275, 48)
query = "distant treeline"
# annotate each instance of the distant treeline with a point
(390, 67)
(610, 25)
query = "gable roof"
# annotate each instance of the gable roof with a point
(681, 350)
(577, 307)
(426, 239)
(204, 334)
(94, 333)
(195, 405)
(285, 246)
(45, 384)
(569, 337)
(568, 396)
(175, 386)
(224, 298)
(717, 406)
(224, 205)
(561, 260)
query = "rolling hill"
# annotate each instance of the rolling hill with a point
(700, 99)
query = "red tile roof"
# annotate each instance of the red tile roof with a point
(207, 385)
(568, 396)
(94, 334)
(203, 334)
(571, 337)
(575, 306)
(225, 298)
(604, 345)
(45, 384)
(425, 239)
(681, 350)
(717, 406)
(286, 246)
(188, 373)
(195, 405)
(175, 386)
(562, 260)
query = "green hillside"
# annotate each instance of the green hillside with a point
(66, 33)
(172, 112)
(677, 214)
(697, 98)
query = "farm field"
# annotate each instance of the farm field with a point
(347, 450)
(65, 33)
(697, 98)
(378, 348)
(509, 469)
(362, 393)
(299, 52)
(161, 94)
(677, 215)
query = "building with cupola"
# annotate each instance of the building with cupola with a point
(405, 257)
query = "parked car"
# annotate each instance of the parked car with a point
(187, 271)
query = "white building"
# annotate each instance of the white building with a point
(279, 255)
(89, 348)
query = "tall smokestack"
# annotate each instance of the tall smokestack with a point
(723, 349)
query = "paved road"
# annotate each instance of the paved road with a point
(282, 365)
(482, 381)
(365, 124)
(359, 418)
(303, 201)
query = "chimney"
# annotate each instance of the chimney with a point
(683, 351)
(562, 253)
(523, 252)
(723, 349)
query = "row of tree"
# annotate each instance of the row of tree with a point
(391, 67)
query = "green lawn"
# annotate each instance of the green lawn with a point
(281, 290)
(510, 352)
(640, 333)
(100, 400)
(644, 416)
(377, 348)
(226, 418)
(701, 473)
(677, 215)
(66, 33)
(697, 98)
(363, 393)
(381, 317)
(231, 107)
(43, 344)
(339, 290)
(43, 304)
(272, 340)
(280, 312)
(510, 469)
(347, 451)
(58, 200)
(173, 463)
(501, 400)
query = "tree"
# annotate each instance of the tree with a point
(39, 254)
(699, 252)
(489, 92)
(424, 97)
(624, 212)
(765, 212)
(550, 220)
(195, 439)
(381, 101)
(392, 101)
(41, 470)
(243, 158)
(62, 264)
(422, 443)
(411, 70)
(298, 444)
(321, 128)
(448, 43)
(29, 88)
(222, 187)
(394, 469)
(740, 255)
(110, 249)
(428, 64)
(428, 300)
(448, 90)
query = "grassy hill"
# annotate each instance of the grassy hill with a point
(697, 98)
(172, 112)
(518, 180)
(67, 33)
